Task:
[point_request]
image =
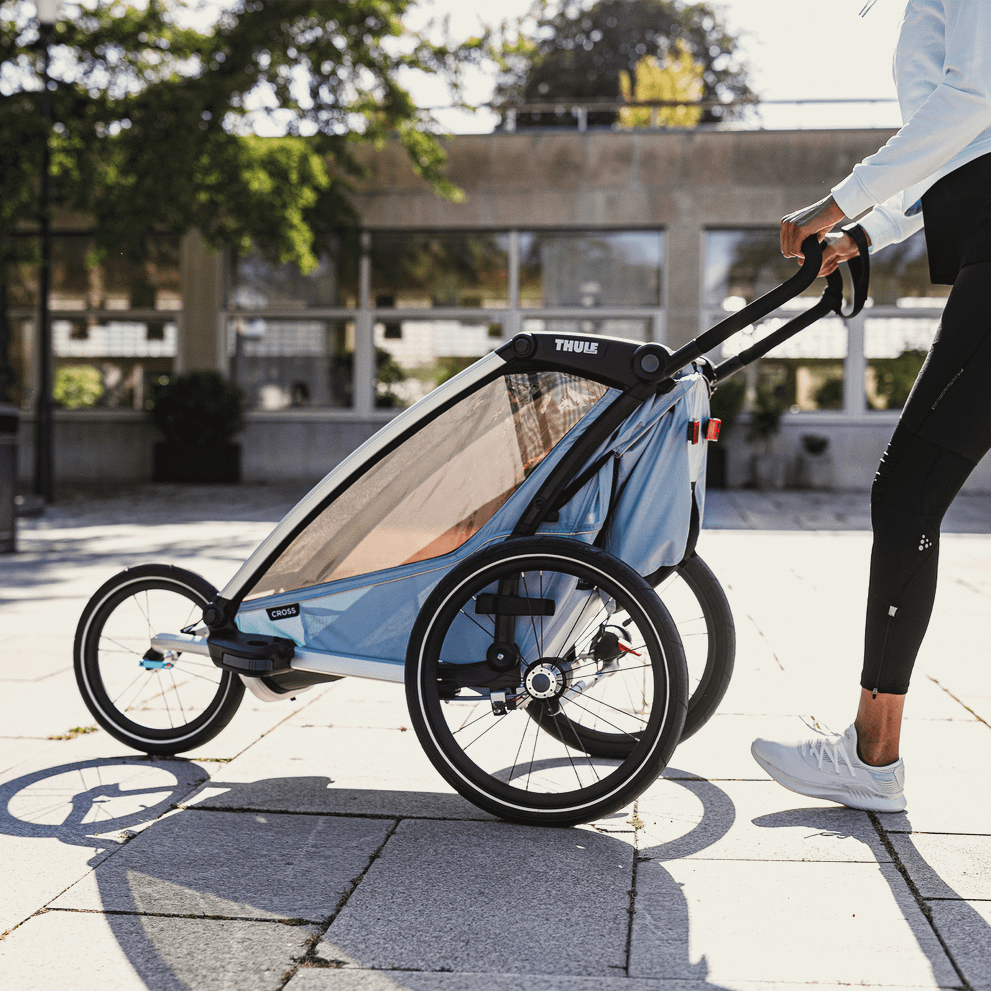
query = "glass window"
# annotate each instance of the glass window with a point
(109, 363)
(900, 275)
(806, 372)
(412, 270)
(619, 269)
(253, 284)
(282, 364)
(743, 265)
(413, 357)
(116, 282)
(439, 487)
(895, 348)
(896, 345)
(100, 360)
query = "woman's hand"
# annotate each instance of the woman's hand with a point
(816, 219)
(838, 248)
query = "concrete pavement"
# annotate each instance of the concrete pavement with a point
(312, 846)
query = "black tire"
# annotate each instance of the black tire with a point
(557, 650)
(697, 604)
(164, 709)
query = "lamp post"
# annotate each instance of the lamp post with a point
(46, 11)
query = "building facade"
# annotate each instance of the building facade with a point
(645, 234)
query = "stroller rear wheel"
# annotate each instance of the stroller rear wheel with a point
(697, 604)
(528, 626)
(156, 703)
(700, 610)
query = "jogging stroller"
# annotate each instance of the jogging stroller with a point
(518, 548)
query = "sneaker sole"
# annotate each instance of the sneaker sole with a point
(865, 803)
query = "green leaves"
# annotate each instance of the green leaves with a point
(155, 118)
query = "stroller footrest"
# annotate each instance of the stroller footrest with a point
(250, 653)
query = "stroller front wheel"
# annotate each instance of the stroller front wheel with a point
(527, 625)
(156, 703)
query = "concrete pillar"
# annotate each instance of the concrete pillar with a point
(364, 338)
(683, 277)
(202, 338)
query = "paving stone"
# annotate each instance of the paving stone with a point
(966, 929)
(735, 861)
(721, 749)
(939, 784)
(78, 799)
(53, 710)
(751, 922)
(743, 821)
(235, 865)
(37, 870)
(944, 866)
(329, 979)
(22, 755)
(33, 655)
(254, 720)
(487, 897)
(342, 771)
(92, 952)
(358, 703)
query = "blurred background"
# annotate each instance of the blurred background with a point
(320, 211)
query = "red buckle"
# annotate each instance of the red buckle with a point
(712, 427)
(694, 429)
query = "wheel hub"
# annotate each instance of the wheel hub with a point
(546, 679)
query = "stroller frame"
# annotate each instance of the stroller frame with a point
(527, 616)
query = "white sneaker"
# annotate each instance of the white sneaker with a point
(827, 766)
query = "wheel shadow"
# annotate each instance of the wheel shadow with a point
(263, 881)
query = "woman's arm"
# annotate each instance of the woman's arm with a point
(956, 112)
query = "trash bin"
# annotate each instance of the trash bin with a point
(10, 418)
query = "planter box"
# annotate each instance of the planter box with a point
(214, 464)
(815, 471)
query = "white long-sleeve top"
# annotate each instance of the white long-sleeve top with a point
(942, 67)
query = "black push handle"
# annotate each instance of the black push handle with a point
(831, 301)
(754, 311)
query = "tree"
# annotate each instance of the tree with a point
(155, 120)
(580, 51)
(679, 80)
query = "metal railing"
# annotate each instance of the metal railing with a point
(744, 114)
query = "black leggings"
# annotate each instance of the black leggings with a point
(944, 431)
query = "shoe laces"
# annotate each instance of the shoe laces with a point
(828, 745)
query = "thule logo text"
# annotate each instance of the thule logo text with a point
(579, 347)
